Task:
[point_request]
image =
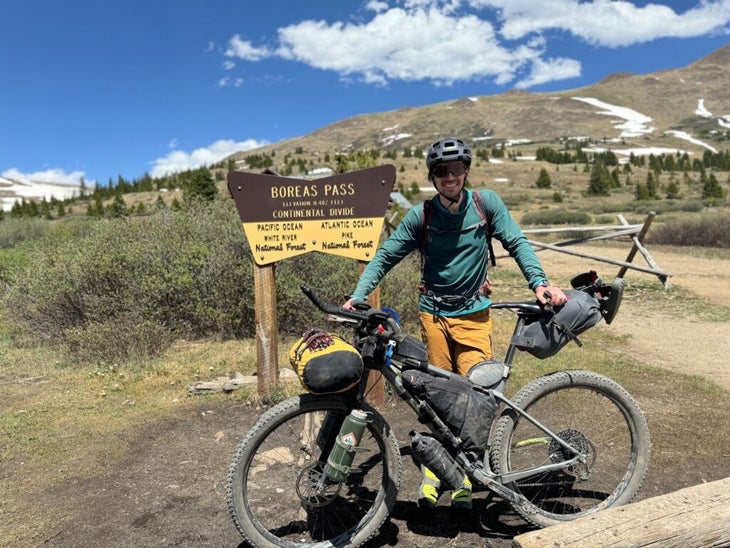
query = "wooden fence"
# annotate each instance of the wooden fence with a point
(636, 233)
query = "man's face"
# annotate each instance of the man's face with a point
(449, 178)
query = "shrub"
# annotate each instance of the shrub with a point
(556, 217)
(704, 231)
(186, 272)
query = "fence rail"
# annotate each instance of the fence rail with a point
(636, 232)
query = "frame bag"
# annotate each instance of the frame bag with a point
(467, 411)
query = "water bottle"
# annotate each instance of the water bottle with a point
(340, 459)
(429, 452)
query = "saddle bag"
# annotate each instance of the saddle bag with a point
(466, 411)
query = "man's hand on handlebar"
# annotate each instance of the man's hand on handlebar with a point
(551, 295)
(356, 305)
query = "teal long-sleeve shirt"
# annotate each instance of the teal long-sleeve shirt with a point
(455, 260)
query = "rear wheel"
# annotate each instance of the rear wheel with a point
(593, 415)
(277, 492)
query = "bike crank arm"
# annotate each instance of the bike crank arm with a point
(502, 490)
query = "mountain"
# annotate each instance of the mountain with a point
(678, 109)
(14, 189)
(686, 108)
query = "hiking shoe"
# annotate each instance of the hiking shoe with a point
(428, 492)
(461, 498)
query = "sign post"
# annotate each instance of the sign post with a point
(284, 217)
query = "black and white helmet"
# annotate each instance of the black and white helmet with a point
(446, 150)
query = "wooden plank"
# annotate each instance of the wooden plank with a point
(694, 517)
(640, 239)
(600, 228)
(267, 343)
(598, 258)
(638, 246)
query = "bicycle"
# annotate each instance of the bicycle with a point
(565, 445)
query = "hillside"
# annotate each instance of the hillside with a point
(692, 99)
(686, 109)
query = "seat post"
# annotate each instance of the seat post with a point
(512, 348)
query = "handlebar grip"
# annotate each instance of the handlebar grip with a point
(330, 308)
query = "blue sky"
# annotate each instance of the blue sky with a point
(98, 89)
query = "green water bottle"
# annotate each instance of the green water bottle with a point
(340, 459)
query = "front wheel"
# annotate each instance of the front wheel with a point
(278, 495)
(592, 414)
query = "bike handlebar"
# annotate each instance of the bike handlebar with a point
(373, 315)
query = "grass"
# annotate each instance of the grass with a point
(58, 422)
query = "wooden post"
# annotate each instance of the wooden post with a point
(374, 389)
(638, 246)
(267, 344)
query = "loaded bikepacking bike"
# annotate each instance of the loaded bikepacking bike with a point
(325, 469)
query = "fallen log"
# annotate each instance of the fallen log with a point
(696, 516)
(228, 383)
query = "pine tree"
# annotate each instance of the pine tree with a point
(200, 186)
(672, 190)
(652, 186)
(544, 180)
(712, 190)
(640, 192)
(600, 180)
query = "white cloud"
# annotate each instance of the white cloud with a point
(608, 22)
(179, 160)
(243, 49)
(548, 70)
(401, 45)
(445, 41)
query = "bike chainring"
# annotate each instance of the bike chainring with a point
(578, 441)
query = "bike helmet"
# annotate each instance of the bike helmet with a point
(446, 150)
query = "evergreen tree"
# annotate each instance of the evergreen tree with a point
(117, 208)
(652, 185)
(672, 190)
(200, 186)
(712, 190)
(640, 192)
(600, 180)
(544, 180)
(615, 183)
(96, 209)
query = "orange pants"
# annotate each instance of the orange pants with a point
(456, 344)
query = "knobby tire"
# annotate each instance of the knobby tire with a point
(590, 412)
(272, 490)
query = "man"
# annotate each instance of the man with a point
(452, 231)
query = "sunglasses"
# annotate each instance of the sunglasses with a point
(442, 170)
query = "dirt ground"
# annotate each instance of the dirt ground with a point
(168, 488)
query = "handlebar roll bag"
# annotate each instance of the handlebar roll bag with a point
(325, 363)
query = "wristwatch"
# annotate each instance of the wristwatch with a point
(544, 283)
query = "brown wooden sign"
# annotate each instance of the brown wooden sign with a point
(341, 215)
